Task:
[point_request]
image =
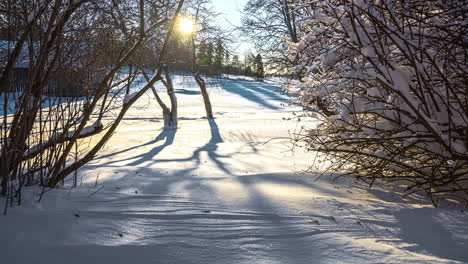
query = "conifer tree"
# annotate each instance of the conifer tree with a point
(259, 71)
(210, 55)
(202, 56)
(236, 64)
(218, 57)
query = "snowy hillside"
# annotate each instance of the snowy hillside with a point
(227, 190)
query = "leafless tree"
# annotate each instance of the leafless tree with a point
(203, 17)
(270, 25)
(95, 45)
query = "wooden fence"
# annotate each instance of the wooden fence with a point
(19, 83)
(19, 80)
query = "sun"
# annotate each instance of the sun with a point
(185, 25)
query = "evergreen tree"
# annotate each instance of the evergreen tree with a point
(219, 56)
(205, 58)
(248, 71)
(259, 71)
(209, 54)
(227, 58)
(236, 64)
(249, 60)
(202, 55)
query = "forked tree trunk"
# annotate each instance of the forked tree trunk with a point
(169, 114)
(172, 115)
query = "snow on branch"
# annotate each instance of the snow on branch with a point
(390, 80)
(58, 138)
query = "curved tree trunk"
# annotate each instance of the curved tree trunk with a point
(172, 117)
(206, 97)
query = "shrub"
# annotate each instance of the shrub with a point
(393, 77)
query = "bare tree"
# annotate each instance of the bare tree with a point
(270, 25)
(169, 113)
(94, 40)
(203, 17)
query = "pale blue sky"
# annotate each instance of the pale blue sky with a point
(230, 9)
(230, 14)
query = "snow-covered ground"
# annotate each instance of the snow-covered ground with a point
(223, 191)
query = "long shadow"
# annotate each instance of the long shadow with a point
(268, 221)
(158, 138)
(210, 148)
(186, 92)
(270, 91)
(255, 92)
(416, 222)
(167, 133)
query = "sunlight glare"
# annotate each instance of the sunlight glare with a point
(186, 25)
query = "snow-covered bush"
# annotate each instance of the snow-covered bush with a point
(390, 78)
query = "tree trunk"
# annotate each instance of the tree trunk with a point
(5, 172)
(172, 118)
(169, 114)
(206, 97)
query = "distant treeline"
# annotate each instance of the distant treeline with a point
(212, 57)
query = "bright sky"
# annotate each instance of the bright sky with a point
(231, 15)
(230, 9)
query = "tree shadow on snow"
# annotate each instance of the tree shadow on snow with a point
(428, 230)
(167, 134)
(186, 92)
(256, 92)
(209, 208)
(210, 148)
(198, 219)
